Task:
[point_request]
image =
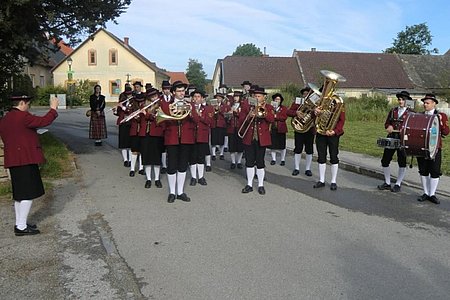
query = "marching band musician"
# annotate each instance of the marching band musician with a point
(136, 123)
(430, 169)
(302, 139)
(256, 138)
(223, 89)
(121, 112)
(219, 130)
(167, 97)
(202, 116)
(152, 143)
(278, 129)
(236, 148)
(97, 124)
(246, 85)
(178, 139)
(393, 124)
(330, 141)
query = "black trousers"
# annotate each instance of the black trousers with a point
(178, 158)
(305, 140)
(198, 153)
(332, 143)
(389, 153)
(430, 167)
(254, 154)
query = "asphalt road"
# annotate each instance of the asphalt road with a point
(119, 240)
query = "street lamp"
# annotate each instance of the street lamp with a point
(70, 81)
(128, 77)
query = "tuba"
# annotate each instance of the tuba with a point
(304, 123)
(178, 111)
(330, 103)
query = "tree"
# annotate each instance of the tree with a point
(413, 40)
(248, 49)
(28, 25)
(195, 74)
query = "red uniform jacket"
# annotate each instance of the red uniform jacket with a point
(393, 119)
(151, 127)
(138, 123)
(177, 131)
(203, 121)
(219, 118)
(122, 112)
(233, 123)
(339, 128)
(18, 131)
(259, 124)
(280, 120)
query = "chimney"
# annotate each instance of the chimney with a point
(313, 49)
(126, 40)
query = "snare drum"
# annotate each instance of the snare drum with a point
(389, 143)
(420, 135)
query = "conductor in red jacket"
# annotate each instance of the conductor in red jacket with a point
(23, 154)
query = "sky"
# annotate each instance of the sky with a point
(171, 33)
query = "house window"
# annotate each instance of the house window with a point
(33, 79)
(113, 56)
(92, 57)
(114, 87)
(42, 81)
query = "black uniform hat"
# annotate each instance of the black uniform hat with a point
(17, 96)
(431, 97)
(137, 83)
(277, 95)
(178, 84)
(166, 84)
(259, 90)
(152, 91)
(305, 89)
(148, 86)
(246, 82)
(196, 91)
(403, 94)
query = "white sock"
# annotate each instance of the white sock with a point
(133, 161)
(208, 160)
(172, 178)
(283, 155)
(225, 144)
(297, 158)
(16, 208)
(429, 183)
(129, 154)
(334, 171)
(233, 157)
(164, 159)
(308, 162)
(222, 149)
(201, 170)
(140, 162)
(401, 175)
(260, 173)
(213, 150)
(387, 174)
(148, 172)
(322, 169)
(239, 157)
(274, 155)
(424, 180)
(24, 210)
(250, 175)
(125, 154)
(193, 171)
(181, 177)
(157, 170)
(433, 185)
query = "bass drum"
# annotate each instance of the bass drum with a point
(420, 135)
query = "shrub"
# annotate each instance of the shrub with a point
(366, 108)
(43, 94)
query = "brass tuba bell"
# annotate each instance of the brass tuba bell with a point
(304, 123)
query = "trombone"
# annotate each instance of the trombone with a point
(139, 111)
(124, 103)
(255, 111)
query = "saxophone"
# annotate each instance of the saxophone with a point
(306, 121)
(330, 103)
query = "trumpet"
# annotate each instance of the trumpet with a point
(124, 103)
(139, 111)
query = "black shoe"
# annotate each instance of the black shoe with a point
(131, 173)
(163, 170)
(193, 182)
(26, 231)
(272, 162)
(32, 226)
(125, 163)
(282, 163)
(384, 186)
(213, 157)
(308, 173)
(319, 185)
(333, 186)
(208, 168)
(423, 198)
(129, 164)
(239, 166)
(158, 184)
(202, 181)
(171, 198)
(247, 189)
(142, 172)
(184, 197)
(233, 166)
(261, 190)
(434, 199)
(225, 149)
(395, 188)
(98, 143)
(295, 172)
(221, 157)
(148, 184)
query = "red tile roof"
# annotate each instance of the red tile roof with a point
(174, 76)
